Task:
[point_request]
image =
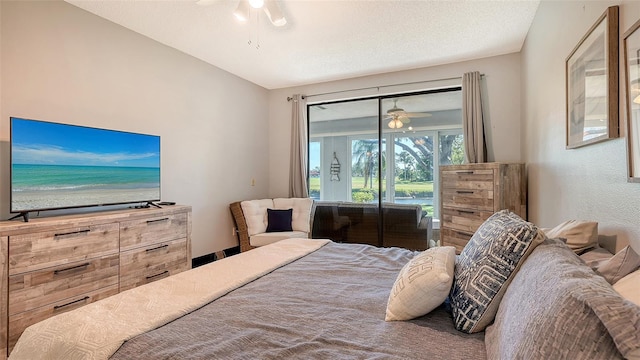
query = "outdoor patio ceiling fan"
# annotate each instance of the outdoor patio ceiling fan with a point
(398, 117)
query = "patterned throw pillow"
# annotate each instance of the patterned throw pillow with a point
(422, 284)
(487, 265)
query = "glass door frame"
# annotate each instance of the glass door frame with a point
(389, 138)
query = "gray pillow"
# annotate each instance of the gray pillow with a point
(487, 265)
(558, 308)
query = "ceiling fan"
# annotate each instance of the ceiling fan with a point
(243, 11)
(398, 117)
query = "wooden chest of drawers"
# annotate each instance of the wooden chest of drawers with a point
(470, 193)
(53, 265)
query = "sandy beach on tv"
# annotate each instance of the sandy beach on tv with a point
(47, 199)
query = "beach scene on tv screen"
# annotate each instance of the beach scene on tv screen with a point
(61, 166)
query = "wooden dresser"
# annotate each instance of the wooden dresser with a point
(53, 265)
(470, 193)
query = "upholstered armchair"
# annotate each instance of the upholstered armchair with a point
(264, 221)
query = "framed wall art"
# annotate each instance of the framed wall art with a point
(592, 84)
(632, 85)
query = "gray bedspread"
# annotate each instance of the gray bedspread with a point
(329, 304)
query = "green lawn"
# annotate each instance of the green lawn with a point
(404, 188)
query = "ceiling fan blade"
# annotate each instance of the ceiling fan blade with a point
(416, 114)
(274, 13)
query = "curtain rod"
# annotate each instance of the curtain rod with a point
(289, 98)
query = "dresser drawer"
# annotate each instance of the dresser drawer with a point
(457, 239)
(38, 288)
(20, 321)
(464, 220)
(29, 252)
(475, 199)
(144, 265)
(472, 179)
(136, 233)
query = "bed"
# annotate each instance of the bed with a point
(340, 313)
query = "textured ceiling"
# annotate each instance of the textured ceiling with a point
(326, 40)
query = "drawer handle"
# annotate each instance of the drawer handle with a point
(464, 191)
(58, 307)
(166, 272)
(72, 233)
(466, 212)
(465, 233)
(71, 268)
(158, 248)
(157, 220)
(464, 172)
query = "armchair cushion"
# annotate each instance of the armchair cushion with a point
(255, 214)
(268, 238)
(300, 218)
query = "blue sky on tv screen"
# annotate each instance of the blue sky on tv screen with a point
(44, 143)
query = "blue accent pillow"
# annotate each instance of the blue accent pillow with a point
(279, 220)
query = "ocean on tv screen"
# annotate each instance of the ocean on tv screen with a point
(57, 186)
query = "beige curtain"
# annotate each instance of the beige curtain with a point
(475, 149)
(298, 186)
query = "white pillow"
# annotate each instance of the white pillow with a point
(629, 287)
(422, 284)
(579, 235)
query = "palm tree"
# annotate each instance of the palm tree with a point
(407, 161)
(365, 156)
(365, 153)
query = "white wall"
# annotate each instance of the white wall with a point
(60, 63)
(502, 100)
(586, 183)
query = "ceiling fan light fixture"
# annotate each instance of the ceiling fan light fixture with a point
(274, 13)
(256, 4)
(242, 12)
(395, 124)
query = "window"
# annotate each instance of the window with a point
(315, 161)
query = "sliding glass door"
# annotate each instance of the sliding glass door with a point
(373, 165)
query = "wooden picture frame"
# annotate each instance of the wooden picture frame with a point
(592, 84)
(632, 84)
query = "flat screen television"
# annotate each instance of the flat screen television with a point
(60, 166)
